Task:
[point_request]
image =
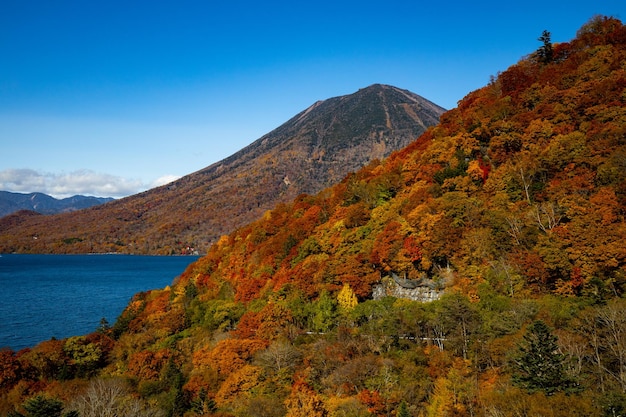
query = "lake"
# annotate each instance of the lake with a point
(46, 296)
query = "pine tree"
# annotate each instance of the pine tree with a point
(41, 406)
(403, 410)
(538, 365)
(545, 52)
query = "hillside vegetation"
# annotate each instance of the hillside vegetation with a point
(511, 211)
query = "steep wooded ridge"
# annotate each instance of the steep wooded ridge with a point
(45, 204)
(513, 208)
(313, 150)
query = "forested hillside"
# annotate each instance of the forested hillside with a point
(510, 213)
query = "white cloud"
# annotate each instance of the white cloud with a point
(165, 179)
(85, 182)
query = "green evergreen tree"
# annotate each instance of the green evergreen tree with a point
(538, 365)
(545, 52)
(104, 326)
(41, 406)
(174, 380)
(403, 410)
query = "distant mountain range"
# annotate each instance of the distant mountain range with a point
(311, 151)
(45, 204)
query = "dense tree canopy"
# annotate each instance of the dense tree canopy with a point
(510, 211)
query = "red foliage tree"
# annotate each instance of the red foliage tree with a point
(147, 365)
(10, 369)
(375, 403)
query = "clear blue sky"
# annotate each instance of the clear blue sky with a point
(112, 97)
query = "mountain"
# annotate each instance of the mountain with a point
(45, 204)
(313, 150)
(480, 271)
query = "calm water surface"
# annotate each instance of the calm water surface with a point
(45, 296)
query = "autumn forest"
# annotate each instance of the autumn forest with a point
(509, 214)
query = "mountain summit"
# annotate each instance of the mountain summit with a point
(311, 151)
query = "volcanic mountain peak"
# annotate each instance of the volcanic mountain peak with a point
(379, 117)
(313, 150)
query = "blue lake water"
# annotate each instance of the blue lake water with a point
(46, 296)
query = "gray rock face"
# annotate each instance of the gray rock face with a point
(389, 287)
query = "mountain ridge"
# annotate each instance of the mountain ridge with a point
(312, 150)
(11, 202)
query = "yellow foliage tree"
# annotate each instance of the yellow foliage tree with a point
(346, 298)
(304, 402)
(454, 394)
(237, 384)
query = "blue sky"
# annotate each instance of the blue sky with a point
(111, 98)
